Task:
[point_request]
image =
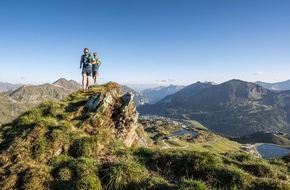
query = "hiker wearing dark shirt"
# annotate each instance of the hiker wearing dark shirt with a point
(95, 68)
(86, 65)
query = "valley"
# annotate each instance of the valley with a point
(184, 134)
(168, 133)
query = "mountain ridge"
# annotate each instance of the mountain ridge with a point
(281, 86)
(15, 102)
(4, 86)
(234, 107)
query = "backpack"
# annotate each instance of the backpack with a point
(88, 59)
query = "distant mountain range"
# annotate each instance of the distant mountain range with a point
(232, 108)
(284, 85)
(158, 93)
(15, 102)
(138, 99)
(4, 86)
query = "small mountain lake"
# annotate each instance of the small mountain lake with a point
(185, 131)
(272, 151)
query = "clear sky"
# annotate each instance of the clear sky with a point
(146, 41)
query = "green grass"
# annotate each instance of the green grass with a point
(189, 184)
(124, 174)
(75, 173)
(85, 147)
(222, 146)
(211, 170)
(195, 124)
(176, 143)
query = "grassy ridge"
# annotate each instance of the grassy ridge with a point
(60, 145)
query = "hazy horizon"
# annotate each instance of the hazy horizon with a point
(140, 87)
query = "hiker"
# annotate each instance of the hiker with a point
(96, 65)
(86, 63)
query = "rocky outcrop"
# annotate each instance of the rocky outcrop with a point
(139, 98)
(118, 112)
(127, 120)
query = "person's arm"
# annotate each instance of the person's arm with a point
(98, 62)
(92, 60)
(81, 62)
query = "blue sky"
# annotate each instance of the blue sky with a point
(146, 42)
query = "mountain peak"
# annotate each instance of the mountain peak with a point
(236, 81)
(239, 90)
(60, 80)
(66, 84)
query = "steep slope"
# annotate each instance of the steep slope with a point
(158, 93)
(37, 145)
(139, 99)
(284, 85)
(231, 108)
(82, 142)
(13, 103)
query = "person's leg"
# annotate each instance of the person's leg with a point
(95, 77)
(84, 79)
(88, 83)
(84, 82)
(89, 74)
